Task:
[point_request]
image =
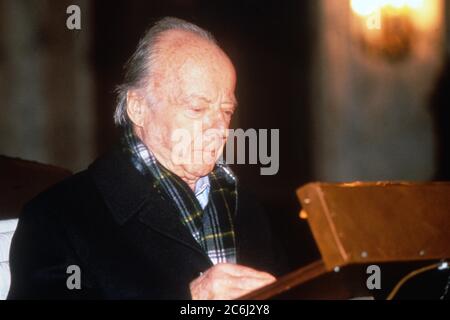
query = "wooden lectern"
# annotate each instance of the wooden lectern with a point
(399, 227)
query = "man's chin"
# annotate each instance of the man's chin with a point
(199, 170)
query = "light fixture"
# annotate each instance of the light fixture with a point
(389, 28)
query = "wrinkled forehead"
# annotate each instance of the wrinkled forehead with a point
(208, 80)
(191, 66)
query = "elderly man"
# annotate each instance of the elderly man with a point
(146, 221)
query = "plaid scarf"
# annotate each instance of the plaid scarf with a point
(212, 227)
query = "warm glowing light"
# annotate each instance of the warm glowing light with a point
(365, 8)
(424, 13)
(368, 7)
(393, 28)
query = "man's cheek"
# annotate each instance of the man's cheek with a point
(181, 147)
(213, 148)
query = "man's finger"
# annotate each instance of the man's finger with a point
(242, 271)
(247, 283)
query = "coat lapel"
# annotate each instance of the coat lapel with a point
(127, 193)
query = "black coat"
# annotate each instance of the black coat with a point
(128, 241)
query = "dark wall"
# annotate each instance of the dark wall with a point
(440, 110)
(270, 44)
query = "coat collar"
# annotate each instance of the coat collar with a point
(123, 188)
(127, 193)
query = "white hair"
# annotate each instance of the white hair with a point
(139, 67)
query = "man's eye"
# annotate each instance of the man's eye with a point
(196, 109)
(195, 112)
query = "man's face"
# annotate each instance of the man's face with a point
(194, 87)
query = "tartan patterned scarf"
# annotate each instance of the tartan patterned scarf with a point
(212, 227)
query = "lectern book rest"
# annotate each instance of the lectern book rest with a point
(398, 227)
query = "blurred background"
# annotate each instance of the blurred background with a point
(358, 89)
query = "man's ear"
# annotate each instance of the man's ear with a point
(136, 108)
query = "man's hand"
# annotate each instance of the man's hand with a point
(227, 282)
